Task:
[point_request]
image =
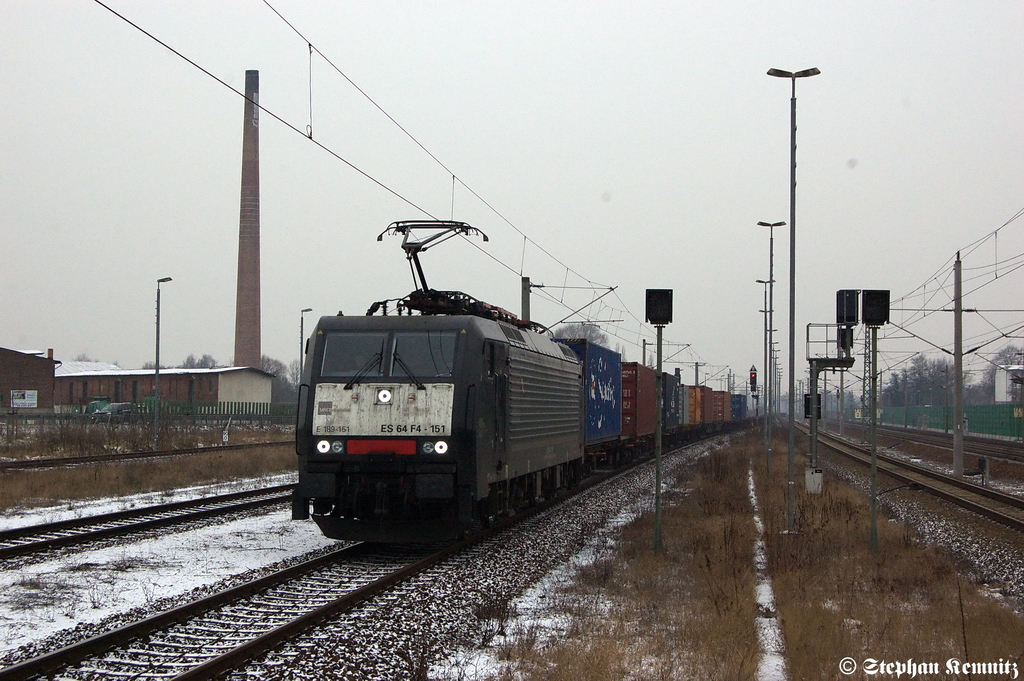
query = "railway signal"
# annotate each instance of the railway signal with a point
(874, 313)
(658, 312)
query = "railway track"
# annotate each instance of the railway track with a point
(986, 447)
(100, 656)
(39, 538)
(1003, 508)
(213, 635)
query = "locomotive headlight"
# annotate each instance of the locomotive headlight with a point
(338, 447)
(323, 446)
(384, 396)
(439, 447)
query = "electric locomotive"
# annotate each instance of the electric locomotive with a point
(422, 427)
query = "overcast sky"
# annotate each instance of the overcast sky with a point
(636, 144)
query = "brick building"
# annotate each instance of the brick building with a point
(73, 390)
(26, 378)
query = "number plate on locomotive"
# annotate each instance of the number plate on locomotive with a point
(383, 409)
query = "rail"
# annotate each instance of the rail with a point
(1003, 508)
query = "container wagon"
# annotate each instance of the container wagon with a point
(739, 406)
(602, 391)
(671, 417)
(639, 401)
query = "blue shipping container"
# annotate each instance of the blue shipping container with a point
(602, 389)
(739, 406)
(671, 414)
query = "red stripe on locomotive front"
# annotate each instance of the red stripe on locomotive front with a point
(403, 447)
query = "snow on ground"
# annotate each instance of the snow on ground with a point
(772, 666)
(540, 612)
(23, 516)
(43, 598)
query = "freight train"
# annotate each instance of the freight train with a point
(422, 427)
(419, 428)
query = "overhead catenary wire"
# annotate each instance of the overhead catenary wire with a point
(262, 108)
(306, 134)
(455, 178)
(425, 150)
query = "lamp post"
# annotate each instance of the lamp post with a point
(779, 73)
(302, 338)
(156, 371)
(771, 320)
(767, 387)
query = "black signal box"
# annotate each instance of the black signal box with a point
(807, 405)
(875, 311)
(659, 306)
(846, 307)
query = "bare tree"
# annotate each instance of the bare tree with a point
(281, 388)
(588, 332)
(204, 362)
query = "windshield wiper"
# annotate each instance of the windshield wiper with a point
(367, 368)
(401, 363)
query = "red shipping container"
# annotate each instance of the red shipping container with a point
(639, 399)
(721, 405)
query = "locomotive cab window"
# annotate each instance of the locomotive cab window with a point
(427, 354)
(424, 354)
(348, 354)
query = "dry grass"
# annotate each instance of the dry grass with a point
(39, 487)
(685, 613)
(836, 598)
(689, 613)
(74, 435)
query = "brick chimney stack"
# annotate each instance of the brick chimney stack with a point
(247, 301)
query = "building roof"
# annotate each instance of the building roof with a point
(117, 371)
(38, 354)
(76, 367)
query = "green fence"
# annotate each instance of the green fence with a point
(282, 410)
(1000, 420)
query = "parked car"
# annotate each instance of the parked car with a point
(114, 412)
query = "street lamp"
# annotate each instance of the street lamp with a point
(779, 73)
(770, 378)
(302, 337)
(156, 371)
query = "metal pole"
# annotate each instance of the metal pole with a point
(778, 73)
(906, 400)
(770, 380)
(842, 401)
(772, 405)
(814, 414)
(958, 369)
(156, 378)
(302, 339)
(156, 371)
(767, 383)
(874, 441)
(525, 298)
(658, 544)
(791, 459)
